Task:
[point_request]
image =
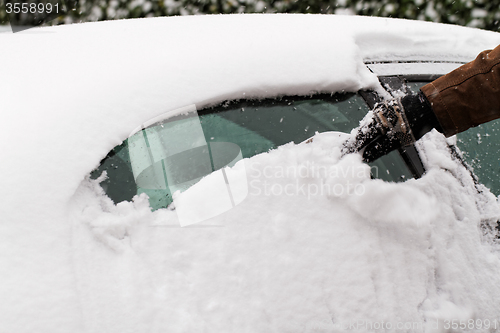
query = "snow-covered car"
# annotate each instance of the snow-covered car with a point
(184, 174)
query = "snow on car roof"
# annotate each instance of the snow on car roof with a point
(71, 93)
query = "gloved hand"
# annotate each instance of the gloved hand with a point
(391, 125)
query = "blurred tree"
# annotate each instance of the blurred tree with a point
(483, 14)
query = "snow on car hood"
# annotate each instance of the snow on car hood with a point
(71, 93)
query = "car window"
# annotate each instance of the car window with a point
(480, 146)
(247, 127)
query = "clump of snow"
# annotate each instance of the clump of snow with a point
(109, 223)
(316, 245)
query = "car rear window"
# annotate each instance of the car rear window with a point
(248, 127)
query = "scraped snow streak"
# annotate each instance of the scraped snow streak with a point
(317, 246)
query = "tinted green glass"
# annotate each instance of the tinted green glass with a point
(480, 147)
(253, 126)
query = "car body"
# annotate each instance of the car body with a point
(421, 251)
